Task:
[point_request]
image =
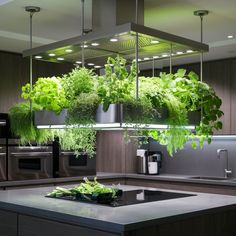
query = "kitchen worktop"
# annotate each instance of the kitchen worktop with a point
(33, 203)
(107, 176)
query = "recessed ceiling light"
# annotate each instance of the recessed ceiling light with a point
(78, 62)
(113, 40)
(97, 67)
(90, 64)
(95, 44)
(52, 54)
(155, 41)
(189, 51)
(68, 50)
(38, 57)
(84, 46)
(179, 53)
(146, 58)
(60, 59)
(230, 36)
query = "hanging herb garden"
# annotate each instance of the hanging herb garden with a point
(168, 98)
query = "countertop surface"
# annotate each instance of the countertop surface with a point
(33, 202)
(106, 175)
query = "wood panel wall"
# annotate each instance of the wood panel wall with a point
(114, 154)
(14, 73)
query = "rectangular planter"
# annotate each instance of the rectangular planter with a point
(122, 113)
(45, 117)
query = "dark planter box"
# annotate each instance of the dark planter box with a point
(45, 117)
(125, 113)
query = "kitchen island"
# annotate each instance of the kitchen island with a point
(27, 212)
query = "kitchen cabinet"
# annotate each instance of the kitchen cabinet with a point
(33, 226)
(8, 223)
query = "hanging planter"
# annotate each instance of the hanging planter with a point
(50, 118)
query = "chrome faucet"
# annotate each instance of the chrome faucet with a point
(227, 172)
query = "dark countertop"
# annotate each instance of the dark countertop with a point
(103, 175)
(32, 202)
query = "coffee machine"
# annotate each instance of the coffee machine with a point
(149, 162)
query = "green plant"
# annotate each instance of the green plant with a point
(22, 125)
(83, 109)
(197, 96)
(47, 93)
(78, 140)
(80, 80)
(116, 85)
(181, 93)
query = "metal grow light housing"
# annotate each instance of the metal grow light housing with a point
(121, 39)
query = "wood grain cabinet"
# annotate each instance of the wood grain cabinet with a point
(8, 223)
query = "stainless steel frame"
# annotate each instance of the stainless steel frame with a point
(126, 35)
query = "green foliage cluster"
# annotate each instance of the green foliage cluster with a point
(80, 80)
(78, 140)
(81, 91)
(116, 85)
(182, 93)
(22, 125)
(47, 93)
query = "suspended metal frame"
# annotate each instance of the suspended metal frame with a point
(132, 41)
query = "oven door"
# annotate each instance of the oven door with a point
(25, 164)
(3, 176)
(70, 165)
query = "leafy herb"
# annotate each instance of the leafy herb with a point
(116, 85)
(47, 93)
(22, 125)
(80, 80)
(78, 140)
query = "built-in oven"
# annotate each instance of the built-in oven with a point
(30, 162)
(3, 174)
(70, 165)
(4, 124)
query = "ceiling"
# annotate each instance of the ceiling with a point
(62, 19)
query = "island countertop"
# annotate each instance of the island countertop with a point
(113, 219)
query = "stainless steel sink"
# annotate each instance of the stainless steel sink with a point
(208, 178)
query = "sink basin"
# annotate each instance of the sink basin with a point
(208, 178)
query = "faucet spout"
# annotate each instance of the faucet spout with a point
(227, 172)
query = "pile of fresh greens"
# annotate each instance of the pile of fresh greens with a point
(87, 188)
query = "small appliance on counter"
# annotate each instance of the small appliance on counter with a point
(149, 162)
